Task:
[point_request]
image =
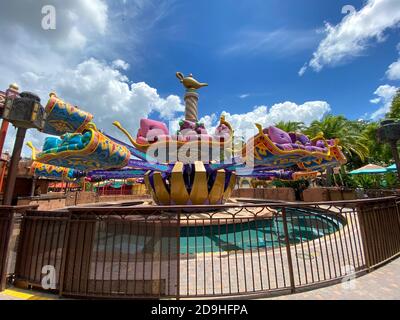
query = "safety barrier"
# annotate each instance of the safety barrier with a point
(245, 249)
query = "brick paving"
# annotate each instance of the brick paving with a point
(381, 284)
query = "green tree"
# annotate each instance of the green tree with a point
(352, 140)
(290, 126)
(395, 107)
(379, 153)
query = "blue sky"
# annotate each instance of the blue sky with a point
(264, 60)
(196, 37)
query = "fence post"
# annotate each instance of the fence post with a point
(64, 254)
(374, 241)
(398, 209)
(288, 251)
(7, 227)
(365, 240)
(7, 242)
(178, 257)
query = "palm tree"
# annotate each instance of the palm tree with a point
(290, 126)
(352, 139)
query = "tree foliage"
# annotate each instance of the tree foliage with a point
(357, 138)
(349, 133)
(290, 126)
(395, 107)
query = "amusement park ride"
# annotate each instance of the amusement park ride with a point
(190, 166)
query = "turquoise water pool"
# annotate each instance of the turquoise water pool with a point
(249, 234)
(256, 234)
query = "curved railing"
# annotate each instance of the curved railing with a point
(250, 249)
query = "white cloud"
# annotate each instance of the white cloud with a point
(302, 70)
(355, 33)
(59, 60)
(84, 28)
(393, 72)
(104, 91)
(244, 96)
(385, 94)
(76, 21)
(75, 38)
(120, 64)
(29, 48)
(32, 56)
(375, 101)
(243, 124)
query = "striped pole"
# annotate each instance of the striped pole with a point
(191, 102)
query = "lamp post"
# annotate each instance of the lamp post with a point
(23, 112)
(389, 132)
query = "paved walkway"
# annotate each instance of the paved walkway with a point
(381, 284)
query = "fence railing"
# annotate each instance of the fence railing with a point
(201, 251)
(380, 193)
(272, 248)
(10, 219)
(380, 225)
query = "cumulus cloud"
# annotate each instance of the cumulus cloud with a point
(286, 111)
(75, 20)
(27, 47)
(355, 33)
(31, 56)
(120, 64)
(59, 60)
(101, 89)
(84, 28)
(385, 94)
(393, 72)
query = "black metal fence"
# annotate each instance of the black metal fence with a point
(269, 249)
(5, 223)
(10, 219)
(43, 241)
(200, 251)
